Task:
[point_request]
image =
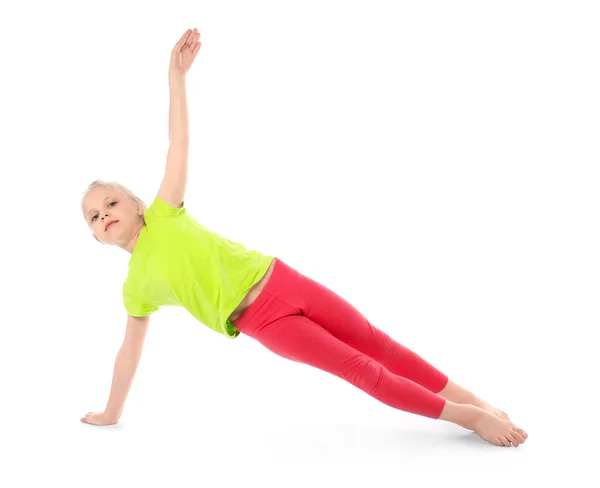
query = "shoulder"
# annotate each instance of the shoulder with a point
(164, 208)
(169, 200)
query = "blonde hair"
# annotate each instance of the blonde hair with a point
(135, 200)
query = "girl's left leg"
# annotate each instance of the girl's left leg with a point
(342, 320)
(280, 319)
(298, 338)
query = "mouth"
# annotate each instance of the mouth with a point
(110, 224)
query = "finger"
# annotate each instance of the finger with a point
(196, 40)
(182, 40)
(196, 49)
(190, 40)
(185, 36)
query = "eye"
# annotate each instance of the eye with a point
(97, 214)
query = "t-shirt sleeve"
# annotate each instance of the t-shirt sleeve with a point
(136, 307)
(160, 208)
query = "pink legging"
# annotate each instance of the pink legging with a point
(302, 320)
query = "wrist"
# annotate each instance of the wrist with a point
(176, 77)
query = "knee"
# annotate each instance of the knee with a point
(363, 372)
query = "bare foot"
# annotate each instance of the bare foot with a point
(457, 394)
(494, 429)
(496, 411)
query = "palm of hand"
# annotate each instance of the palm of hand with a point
(185, 51)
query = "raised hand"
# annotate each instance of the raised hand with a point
(184, 52)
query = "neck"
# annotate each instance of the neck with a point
(131, 244)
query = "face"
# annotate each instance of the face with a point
(103, 205)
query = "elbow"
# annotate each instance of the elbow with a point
(182, 139)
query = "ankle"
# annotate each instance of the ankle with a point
(457, 394)
(458, 413)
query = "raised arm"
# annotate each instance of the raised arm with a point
(172, 188)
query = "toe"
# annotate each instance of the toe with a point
(514, 439)
(518, 436)
(503, 441)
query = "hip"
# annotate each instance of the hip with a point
(252, 293)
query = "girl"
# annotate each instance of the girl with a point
(177, 261)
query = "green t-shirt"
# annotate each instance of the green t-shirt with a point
(177, 261)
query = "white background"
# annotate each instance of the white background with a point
(434, 163)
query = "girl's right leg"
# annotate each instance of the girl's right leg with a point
(285, 330)
(342, 320)
(298, 338)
